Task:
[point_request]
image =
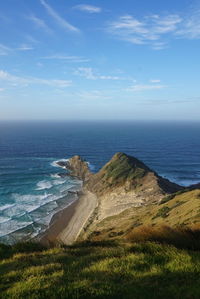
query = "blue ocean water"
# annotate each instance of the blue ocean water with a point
(31, 189)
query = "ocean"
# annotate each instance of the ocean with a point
(33, 188)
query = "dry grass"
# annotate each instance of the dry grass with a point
(182, 210)
(181, 237)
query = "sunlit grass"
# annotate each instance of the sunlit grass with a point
(101, 270)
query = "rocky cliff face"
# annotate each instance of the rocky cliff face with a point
(79, 168)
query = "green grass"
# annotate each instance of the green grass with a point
(121, 168)
(99, 270)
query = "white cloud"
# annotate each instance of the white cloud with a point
(93, 95)
(88, 8)
(40, 23)
(148, 31)
(5, 18)
(67, 58)
(25, 47)
(143, 87)
(29, 38)
(108, 77)
(60, 21)
(156, 30)
(25, 81)
(2, 89)
(191, 27)
(155, 81)
(4, 50)
(88, 73)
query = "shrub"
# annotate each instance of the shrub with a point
(171, 196)
(163, 212)
(166, 199)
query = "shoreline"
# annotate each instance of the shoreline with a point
(67, 224)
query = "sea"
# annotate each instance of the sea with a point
(33, 187)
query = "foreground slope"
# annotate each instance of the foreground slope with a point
(101, 270)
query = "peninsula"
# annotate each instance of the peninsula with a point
(123, 195)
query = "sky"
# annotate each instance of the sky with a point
(100, 59)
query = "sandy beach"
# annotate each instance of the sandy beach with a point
(67, 224)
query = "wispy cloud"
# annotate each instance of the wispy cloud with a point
(155, 80)
(156, 30)
(148, 31)
(143, 87)
(67, 58)
(5, 18)
(39, 23)
(88, 73)
(59, 20)
(88, 8)
(4, 50)
(30, 39)
(25, 81)
(25, 47)
(191, 26)
(93, 95)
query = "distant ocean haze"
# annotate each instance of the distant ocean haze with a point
(31, 188)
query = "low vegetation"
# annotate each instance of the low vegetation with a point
(181, 211)
(181, 237)
(173, 195)
(106, 269)
(123, 167)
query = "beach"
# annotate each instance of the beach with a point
(67, 224)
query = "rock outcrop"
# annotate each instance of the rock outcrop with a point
(77, 167)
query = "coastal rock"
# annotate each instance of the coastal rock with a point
(77, 167)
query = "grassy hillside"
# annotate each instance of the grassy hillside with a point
(175, 210)
(99, 270)
(128, 171)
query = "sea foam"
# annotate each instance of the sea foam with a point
(55, 163)
(42, 185)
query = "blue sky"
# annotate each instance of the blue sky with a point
(103, 59)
